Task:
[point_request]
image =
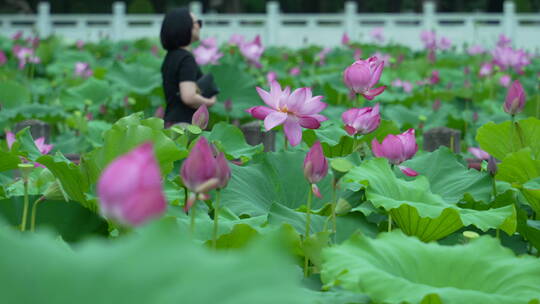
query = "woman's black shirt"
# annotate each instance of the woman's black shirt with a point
(179, 65)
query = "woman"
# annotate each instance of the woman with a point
(179, 70)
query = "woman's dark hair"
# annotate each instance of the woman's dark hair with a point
(176, 29)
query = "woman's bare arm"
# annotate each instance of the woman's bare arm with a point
(188, 93)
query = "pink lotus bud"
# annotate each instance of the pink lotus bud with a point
(294, 71)
(160, 112)
(315, 164)
(434, 78)
(345, 40)
(129, 188)
(271, 77)
(361, 120)
(515, 99)
(445, 43)
(3, 58)
(17, 35)
(79, 44)
(362, 75)
(396, 148)
(478, 153)
(199, 169)
(89, 116)
(505, 80)
(253, 51)
(223, 170)
(10, 139)
(492, 166)
(485, 69)
(200, 117)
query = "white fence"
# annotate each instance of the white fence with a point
(292, 30)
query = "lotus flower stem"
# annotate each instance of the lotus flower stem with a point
(512, 131)
(192, 222)
(308, 226)
(34, 211)
(285, 143)
(494, 185)
(216, 217)
(334, 205)
(25, 208)
(389, 222)
(498, 234)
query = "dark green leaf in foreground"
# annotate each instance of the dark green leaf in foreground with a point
(398, 269)
(158, 266)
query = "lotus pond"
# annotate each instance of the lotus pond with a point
(353, 205)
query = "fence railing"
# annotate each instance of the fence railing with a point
(292, 30)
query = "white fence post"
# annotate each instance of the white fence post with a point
(509, 13)
(428, 9)
(350, 16)
(273, 22)
(196, 8)
(119, 20)
(44, 20)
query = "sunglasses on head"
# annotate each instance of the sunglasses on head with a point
(199, 22)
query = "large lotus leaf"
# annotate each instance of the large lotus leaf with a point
(231, 141)
(449, 177)
(395, 268)
(501, 139)
(180, 271)
(134, 77)
(45, 112)
(416, 209)
(128, 133)
(237, 86)
(271, 178)
(93, 90)
(13, 94)
(8, 161)
(531, 191)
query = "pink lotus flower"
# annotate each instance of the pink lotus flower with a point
(429, 38)
(200, 117)
(506, 58)
(345, 40)
(253, 51)
(206, 55)
(236, 39)
(202, 172)
(515, 99)
(25, 55)
(485, 69)
(478, 153)
(82, 69)
(377, 34)
(294, 71)
(79, 44)
(42, 147)
(397, 149)
(315, 167)
(3, 58)
(130, 189)
(434, 78)
(210, 42)
(271, 77)
(405, 85)
(504, 41)
(505, 80)
(18, 35)
(295, 110)
(445, 43)
(361, 120)
(362, 75)
(476, 50)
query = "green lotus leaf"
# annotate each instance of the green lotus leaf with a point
(134, 78)
(449, 177)
(231, 140)
(13, 94)
(416, 209)
(502, 139)
(395, 268)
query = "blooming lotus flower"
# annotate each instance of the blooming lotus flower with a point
(3, 58)
(295, 110)
(515, 99)
(362, 75)
(429, 38)
(475, 50)
(236, 39)
(294, 71)
(377, 34)
(361, 120)
(397, 149)
(210, 42)
(505, 80)
(206, 55)
(42, 147)
(253, 51)
(345, 40)
(315, 167)
(445, 43)
(485, 69)
(130, 189)
(200, 117)
(25, 55)
(478, 153)
(82, 69)
(407, 86)
(504, 41)
(506, 57)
